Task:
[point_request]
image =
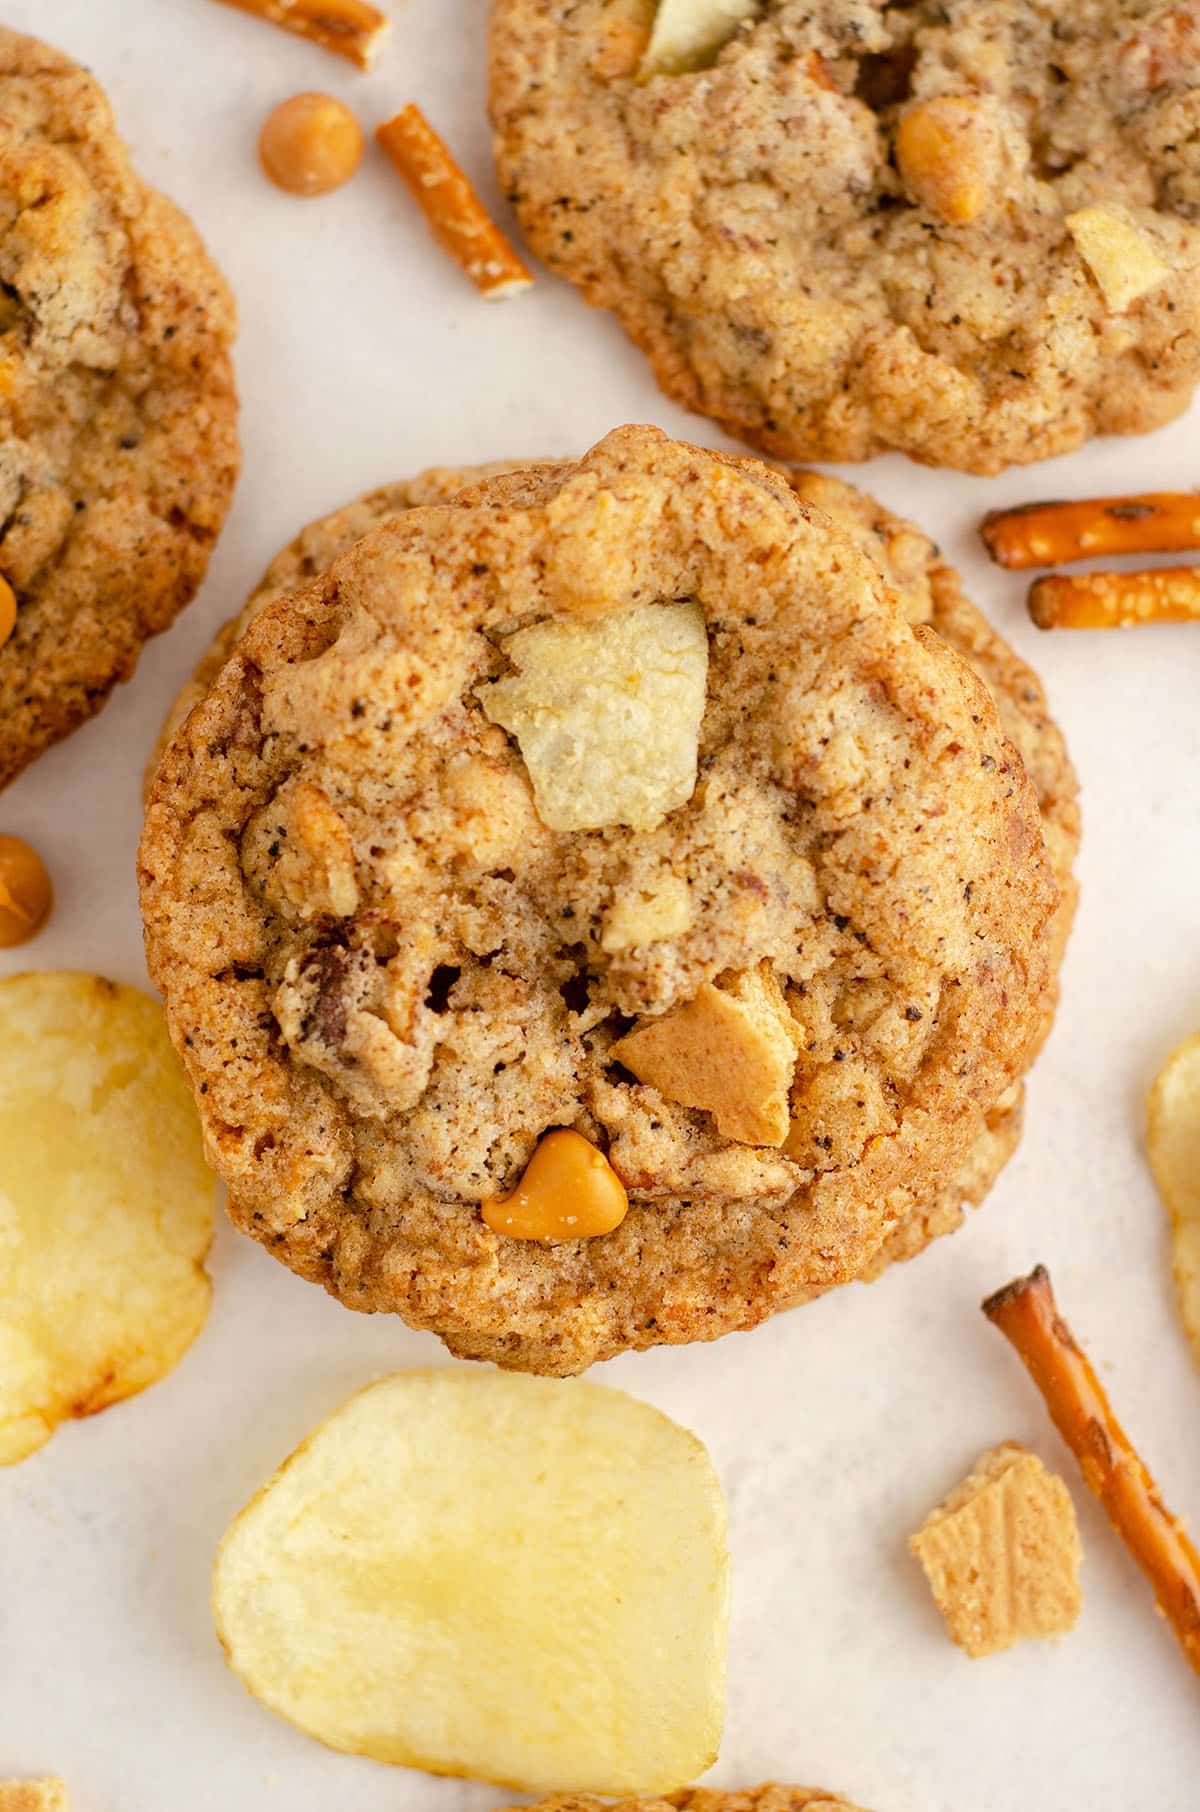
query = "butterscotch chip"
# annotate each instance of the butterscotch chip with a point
(33, 1796)
(26, 892)
(117, 404)
(406, 1061)
(947, 151)
(1002, 1554)
(730, 1051)
(310, 144)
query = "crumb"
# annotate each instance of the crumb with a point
(1002, 1553)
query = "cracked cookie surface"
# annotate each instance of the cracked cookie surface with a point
(387, 978)
(969, 231)
(118, 442)
(929, 592)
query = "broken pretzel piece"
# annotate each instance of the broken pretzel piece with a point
(1001, 1554)
(443, 191)
(1026, 1314)
(1054, 534)
(731, 1050)
(1166, 594)
(351, 28)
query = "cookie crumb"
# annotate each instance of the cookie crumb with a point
(1001, 1554)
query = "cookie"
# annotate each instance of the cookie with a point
(965, 230)
(771, 1797)
(929, 592)
(388, 976)
(118, 442)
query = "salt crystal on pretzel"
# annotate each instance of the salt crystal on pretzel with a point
(1166, 594)
(1053, 534)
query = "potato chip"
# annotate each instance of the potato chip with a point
(1123, 262)
(512, 1578)
(689, 33)
(1173, 1138)
(106, 1204)
(607, 713)
(33, 1796)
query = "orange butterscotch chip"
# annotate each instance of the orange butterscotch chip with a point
(310, 144)
(351, 28)
(8, 610)
(945, 153)
(443, 191)
(569, 1191)
(26, 894)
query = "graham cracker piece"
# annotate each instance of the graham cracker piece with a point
(48, 1795)
(1001, 1554)
(730, 1050)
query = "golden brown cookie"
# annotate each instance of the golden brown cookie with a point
(393, 933)
(771, 1797)
(928, 592)
(118, 443)
(966, 230)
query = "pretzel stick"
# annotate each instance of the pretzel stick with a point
(1026, 1314)
(1053, 534)
(460, 222)
(351, 28)
(1166, 594)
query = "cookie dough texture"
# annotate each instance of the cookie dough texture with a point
(387, 978)
(118, 443)
(852, 230)
(1002, 1554)
(771, 1797)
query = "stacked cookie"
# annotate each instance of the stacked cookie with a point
(672, 805)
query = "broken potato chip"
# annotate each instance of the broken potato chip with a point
(1173, 1140)
(106, 1203)
(687, 34)
(506, 1577)
(1123, 262)
(607, 713)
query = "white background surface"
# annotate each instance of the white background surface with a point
(364, 356)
